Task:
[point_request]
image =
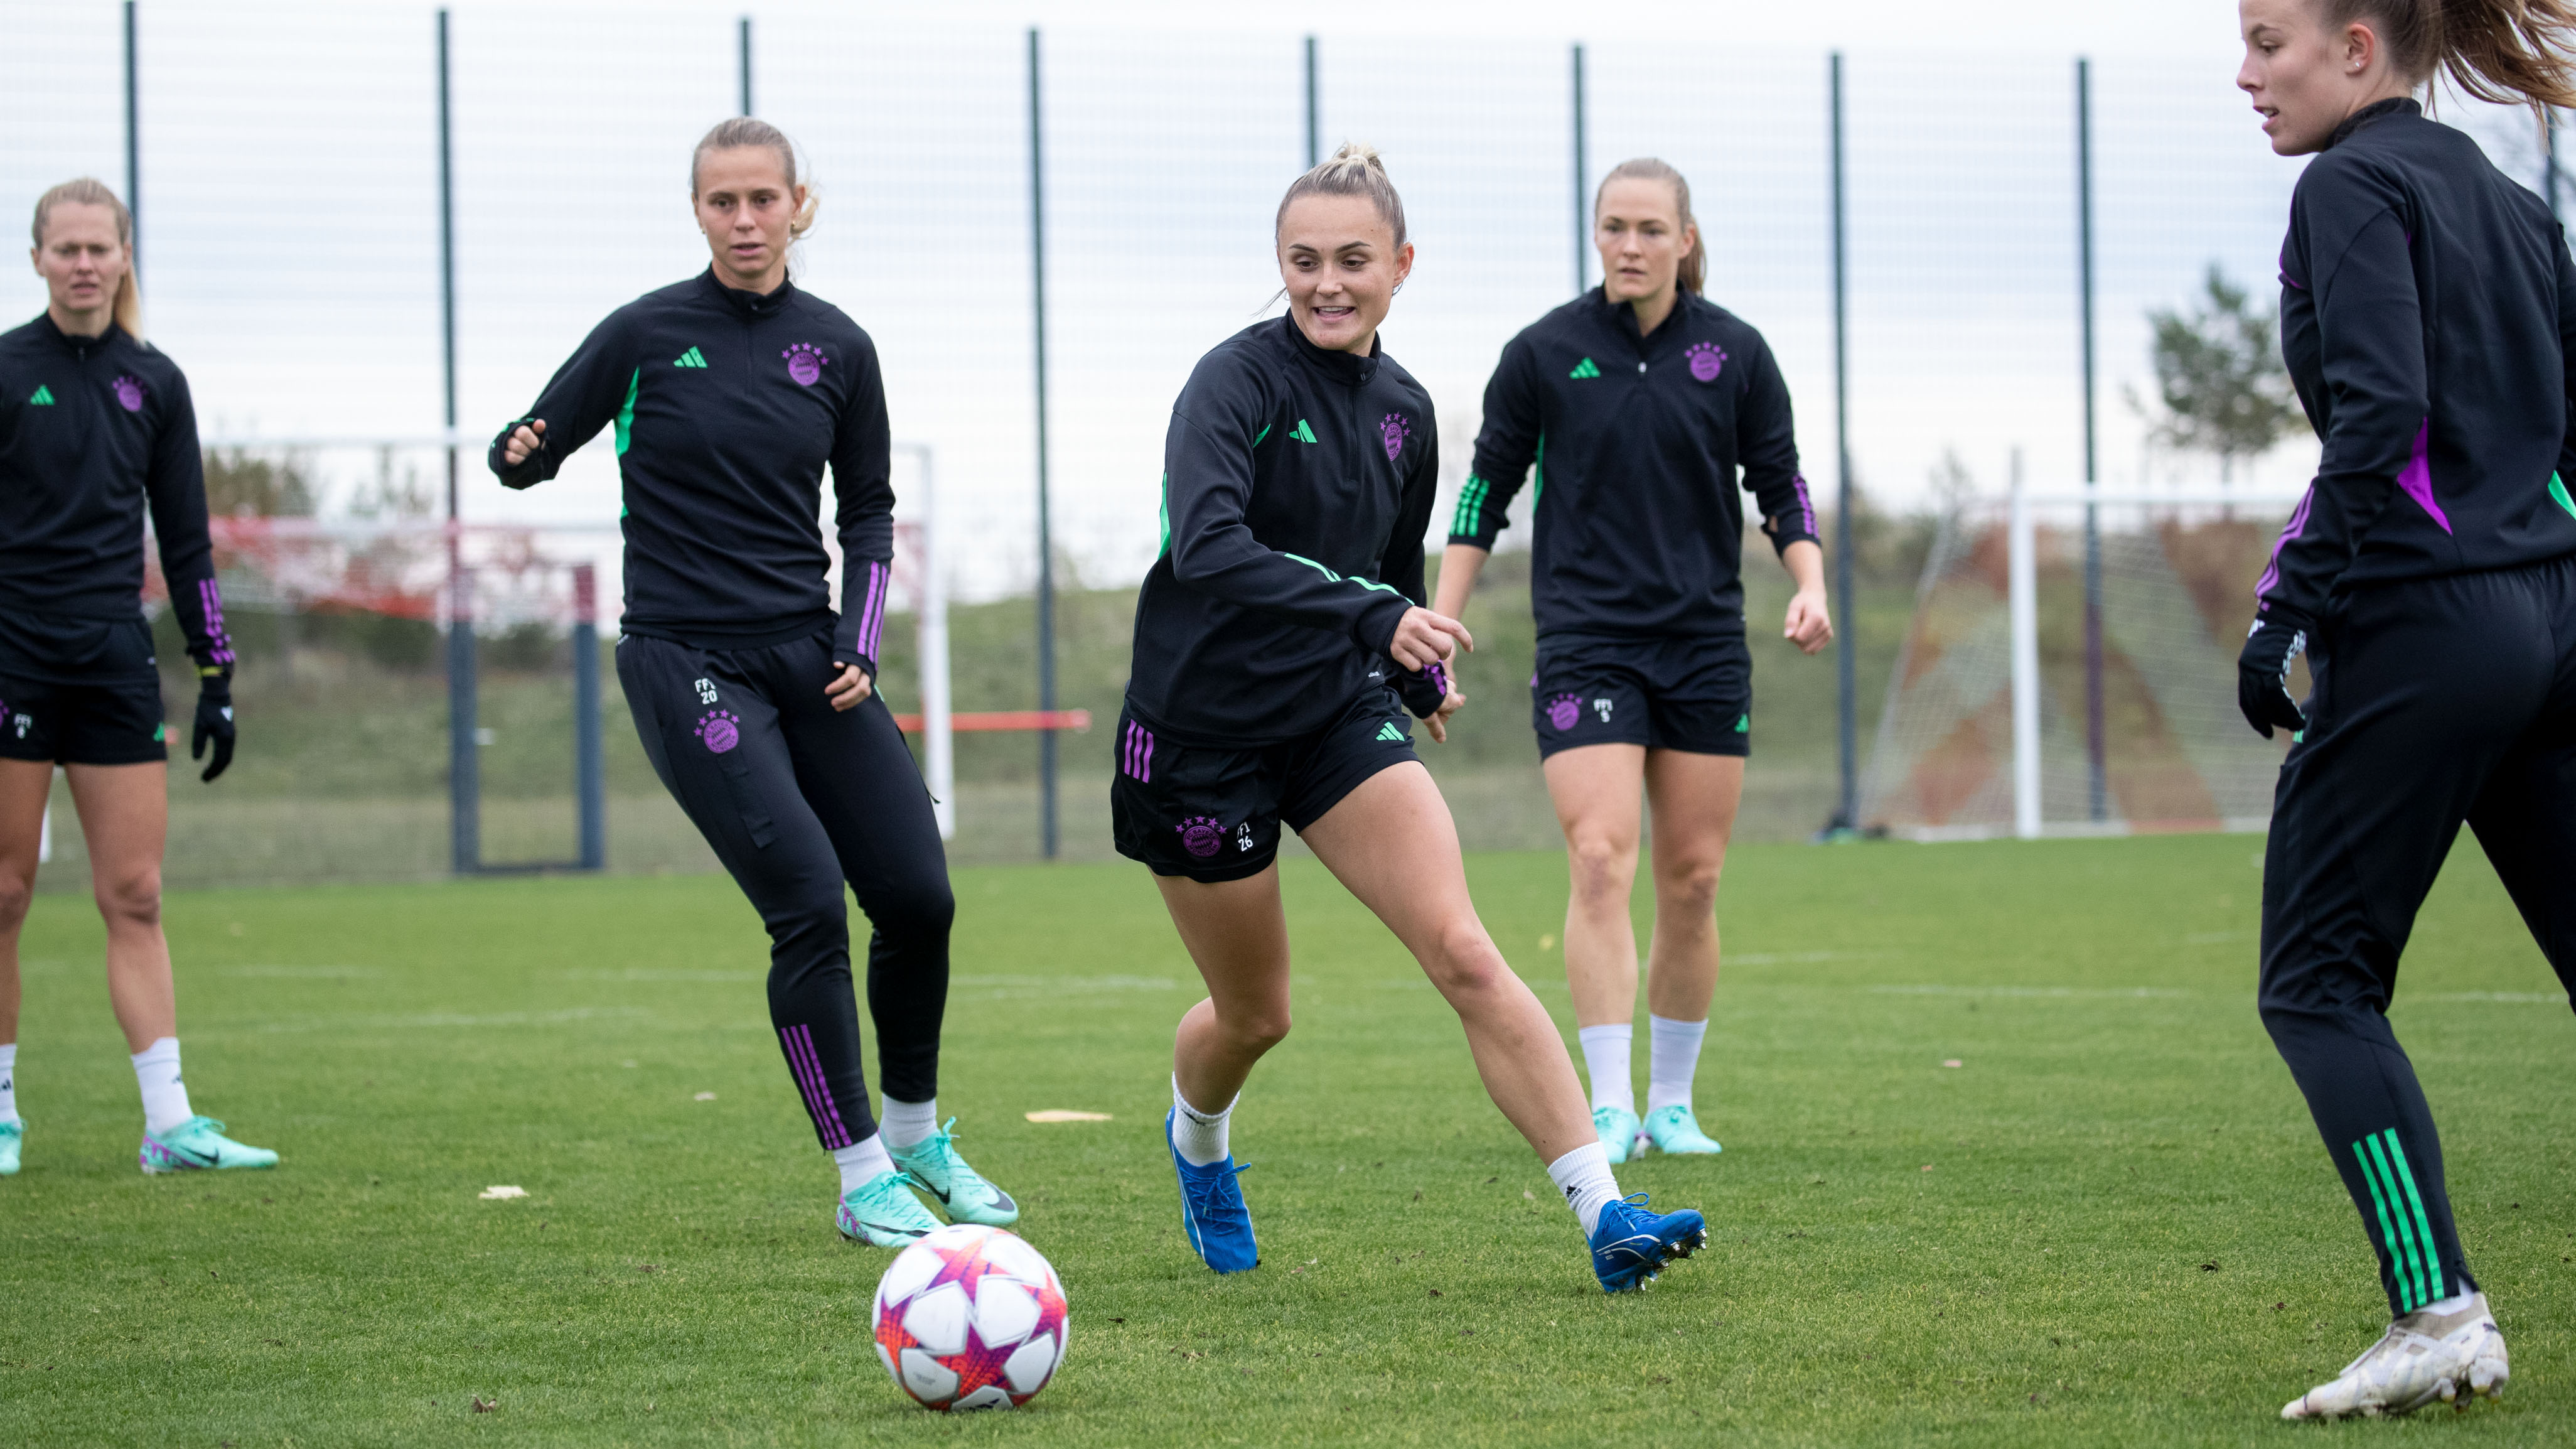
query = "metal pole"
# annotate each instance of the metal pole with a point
(1582, 193)
(1046, 546)
(2096, 753)
(742, 61)
(2548, 154)
(1314, 112)
(464, 775)
(1846, 675)
(133, 139)
(938, 741)
(2022, 588)
(589, 770)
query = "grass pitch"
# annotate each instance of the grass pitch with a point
(2110, 1223)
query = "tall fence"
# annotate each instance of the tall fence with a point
(329, 193)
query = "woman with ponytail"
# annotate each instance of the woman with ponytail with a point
(731, 393)
(2428, 312)
(96, 430)
(1280, 639)
(1648, 411)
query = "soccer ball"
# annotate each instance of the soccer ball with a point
(970, 1318)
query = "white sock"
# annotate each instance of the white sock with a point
(9, 1082)
(1672, 1060)
(1583, 1175)
(165, 1097)
(2453, 1304)
(862, 1163)
(905, 1123)
(1605, 1060)
(1200, 1137)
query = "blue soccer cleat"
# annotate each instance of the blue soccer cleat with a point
(1631, 1245)
(1212, 1211)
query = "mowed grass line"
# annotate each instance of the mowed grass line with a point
(2127, 1232)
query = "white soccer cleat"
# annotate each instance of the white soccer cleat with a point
(2425, 1356)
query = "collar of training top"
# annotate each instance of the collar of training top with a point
(2370, 113)
(1343, 367)
(71, 342)
(1623, 316)
(753, 305)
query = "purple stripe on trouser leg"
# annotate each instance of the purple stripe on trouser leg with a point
(806, 1086)
(808, 1070)
(830, 1111)
(1145, 757)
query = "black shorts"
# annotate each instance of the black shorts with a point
(1693, 694)
(1213, 814)
(79, 692)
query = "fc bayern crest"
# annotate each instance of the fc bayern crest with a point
(1393, 430)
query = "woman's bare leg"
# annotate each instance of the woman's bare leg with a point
(1694, 799)
(1595, 788)
(125, 818)
(1238, 935)
(1392, 843)
(24, 784)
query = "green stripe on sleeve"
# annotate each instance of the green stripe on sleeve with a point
(2558, 491)
(1471, 507)
(626, 413)
(2423, 1226)
(1166, 511)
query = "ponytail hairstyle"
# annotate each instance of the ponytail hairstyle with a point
(746, 131)
(1354, 170)
(2503, 52)
(89, 191)
(1694, 269)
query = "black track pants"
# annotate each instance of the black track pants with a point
(2437, 701)
(796, 798)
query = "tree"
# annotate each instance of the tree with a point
(2219, 377)
(239, 482)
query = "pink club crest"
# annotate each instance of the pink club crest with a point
(1707, 360)
(1201, 835)
(129, 394)
(1563, 711)
(721, 730)
(1393, 430)
(805, 363)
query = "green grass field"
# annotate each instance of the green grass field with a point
(2110, 1224)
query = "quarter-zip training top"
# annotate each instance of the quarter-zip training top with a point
(2428, 308)
(94, 430)
(1297, 487)
(1638, 442)
(727, 406)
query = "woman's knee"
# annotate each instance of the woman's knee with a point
(1687, 885)
(17, 894)
(1602, 868)
(1255, 1029)
(1464, 957)
(130, 898)
(914, 910)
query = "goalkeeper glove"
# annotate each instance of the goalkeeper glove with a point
(214, 723)
(2279, 635)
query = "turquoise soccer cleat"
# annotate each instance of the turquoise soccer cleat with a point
(1620, 1132)
(1632, 1243)
(12, 1134)
(195, 1145)
(881, 1213)
(1673, 1129)
(962, 1192)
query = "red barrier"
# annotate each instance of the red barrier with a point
(1077, 720)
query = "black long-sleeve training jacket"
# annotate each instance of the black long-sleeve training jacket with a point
(1639, 442)
(727, 405)
(2428, 317)
(1297, 487)
(94, 430)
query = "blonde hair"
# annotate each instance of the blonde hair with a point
(2503, 52)
(90, 191)
(1694, 268)
(1354, 170)
(745, 131)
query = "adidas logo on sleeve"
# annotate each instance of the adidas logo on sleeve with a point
(43, 397)
(1585, 368)
(690, 358)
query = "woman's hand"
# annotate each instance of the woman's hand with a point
(1439, 720)
(1423, 638)
(850, 690)
(1808, 626)
(524, 439)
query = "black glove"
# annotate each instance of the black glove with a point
(214, 723)
(2263, 671)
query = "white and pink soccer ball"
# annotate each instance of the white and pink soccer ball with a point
(970, 1318)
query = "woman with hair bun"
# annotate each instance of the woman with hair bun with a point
(2428, 318)
(1649, 411)
(731, 392)
(96, 430)
(1280, 638)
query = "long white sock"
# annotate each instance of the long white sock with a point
(1583, 1175)
(905, 1123)
(1200, 1137)
(165, 1097)
(1605, 1060)
(1672, 1060)
(862, 1162)
(9, 1082)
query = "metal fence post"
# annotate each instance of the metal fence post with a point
(464, 772)
(742, 62)
(1846, 669)
(1582, 200)
(133, 139)
(1314, 112)
(2096, 747)
(1046, 546)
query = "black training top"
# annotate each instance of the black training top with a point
(1297, 487)
(92, 431)
(2427, 311)
(727, 406)
(1639, 531)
